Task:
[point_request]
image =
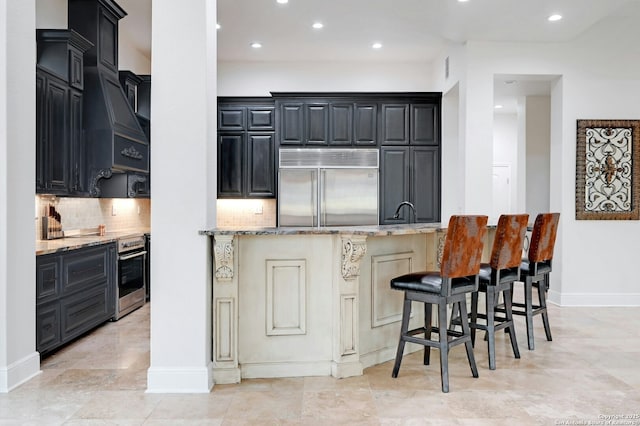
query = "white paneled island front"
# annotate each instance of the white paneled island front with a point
(312, 301)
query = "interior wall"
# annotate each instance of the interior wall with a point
(505, 151)
(51, 14)
(538, 134)
(588, 89)
(261, 78)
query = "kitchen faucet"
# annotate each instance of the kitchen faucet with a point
(405, 203)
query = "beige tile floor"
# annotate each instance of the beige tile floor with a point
(590, 371)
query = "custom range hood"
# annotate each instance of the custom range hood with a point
(115, 142)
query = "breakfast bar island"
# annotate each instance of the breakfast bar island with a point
(312, 301)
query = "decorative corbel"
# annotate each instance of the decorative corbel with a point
(223, 254)
(353, 250)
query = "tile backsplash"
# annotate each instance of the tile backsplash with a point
(244, 212)
(81, 213)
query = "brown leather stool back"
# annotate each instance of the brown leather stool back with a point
(463, 246)
(507, 244)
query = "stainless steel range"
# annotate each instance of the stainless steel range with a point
(131, 286)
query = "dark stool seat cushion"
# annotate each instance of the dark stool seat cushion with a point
(543, 268)
(506, 275)
(431, 282)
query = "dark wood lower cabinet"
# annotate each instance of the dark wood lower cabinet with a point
(75, 292)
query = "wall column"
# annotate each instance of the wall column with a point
(183, 120)
(19, 360)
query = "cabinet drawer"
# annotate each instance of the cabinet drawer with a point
(83, 311)
(48, 332)
(84, 268)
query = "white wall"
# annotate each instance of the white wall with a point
(51, 14)
(261, 78)
(589, 88)
(19, 360)
(538, 134)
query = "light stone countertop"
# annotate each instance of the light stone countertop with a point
(370, 230)
(72, 243)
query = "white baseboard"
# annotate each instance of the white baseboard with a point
(285, 369)
(595, 299)
(180, 380)
(19, 372)
(387, 354)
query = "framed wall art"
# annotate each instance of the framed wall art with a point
(607, 169)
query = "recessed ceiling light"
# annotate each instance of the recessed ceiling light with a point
(463, 1)
(498, 106)
(554, 18)
(376, 45)
(283, 1)
(217, 26)
(317, 25)
(256, 45)
(507, 82)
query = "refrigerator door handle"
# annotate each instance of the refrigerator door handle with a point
(322, 209)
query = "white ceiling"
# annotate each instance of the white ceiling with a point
(410, 30)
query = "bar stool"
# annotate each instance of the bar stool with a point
(497, 277)
(458, 276)
(534, 272)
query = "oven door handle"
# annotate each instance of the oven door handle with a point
(131, 256)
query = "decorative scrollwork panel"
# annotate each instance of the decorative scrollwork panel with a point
(606, 173)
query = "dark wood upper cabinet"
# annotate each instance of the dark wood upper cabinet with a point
(260, 164)
(231, 119)
(366, 124)
(261, 118)
(60, 151)
(316, 123)
(395, 124)
(425, 122)
(246, 148)
(341, 127)
(291, 123)
(230, 164)
(394, 183)
(425, 182)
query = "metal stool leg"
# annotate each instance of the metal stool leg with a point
(467, 344)
(491, 332)
(509, 316)
(542, 297)
(529, 311)
(444, 344)
(406, 313)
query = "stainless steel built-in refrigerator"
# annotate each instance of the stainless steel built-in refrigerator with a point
(328, 187)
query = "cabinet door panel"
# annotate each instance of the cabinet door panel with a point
(291, 124)
(425, 183)
(394, 183)
(317, 124)
(230, 153)
(366, 124)
(77, 158)
(424, 124)
(260, 165)
(48, 332)
(41, 132)
(47, 278)
(58, 150)
(231, 118)
(395, 124)
(262, 118)
(341, 124)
